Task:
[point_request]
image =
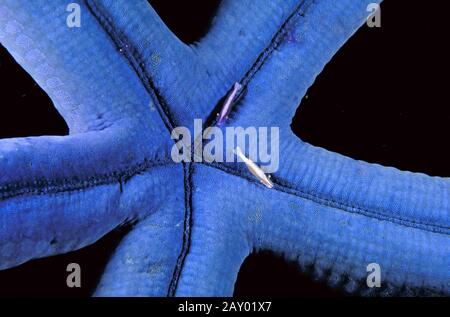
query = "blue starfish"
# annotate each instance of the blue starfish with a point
(123, 81)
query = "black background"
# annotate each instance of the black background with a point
(382, 99)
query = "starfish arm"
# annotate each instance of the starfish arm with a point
(277, 84)
(166, 66)
(239, 34)
(338, 215)
(145, 261)
(240, 31)
(88, 79)
(219, 241)
(58, 194)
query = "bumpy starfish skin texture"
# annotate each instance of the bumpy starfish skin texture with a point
(123, 81)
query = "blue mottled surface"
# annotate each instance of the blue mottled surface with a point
(122, 81)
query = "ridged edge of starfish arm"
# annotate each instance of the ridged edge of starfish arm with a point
(89, 81)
